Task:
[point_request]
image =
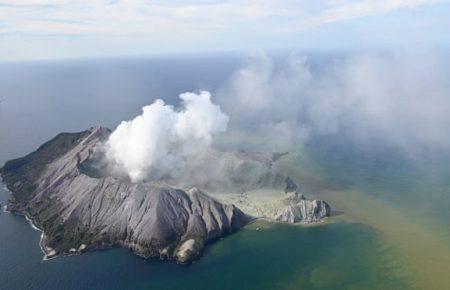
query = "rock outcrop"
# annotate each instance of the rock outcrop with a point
(298, 209)
(290, 186)
(77, 211)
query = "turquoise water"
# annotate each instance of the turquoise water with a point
(332, 256)
(418, 186)
(356, 250)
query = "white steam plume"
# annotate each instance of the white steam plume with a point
(400, 100)
(157, 143)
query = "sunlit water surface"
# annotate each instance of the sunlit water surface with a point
(391, 230)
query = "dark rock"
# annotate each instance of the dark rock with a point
(77, 210)
(290, 185)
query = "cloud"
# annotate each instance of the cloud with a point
(50, 29)
(400, 100)
(182, 18)
(159, 142)
(348, 10)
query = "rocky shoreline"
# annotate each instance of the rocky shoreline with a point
(76, 212)
(273, 205)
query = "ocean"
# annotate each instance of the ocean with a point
(390, 229)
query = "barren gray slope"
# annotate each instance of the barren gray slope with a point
(78, 212)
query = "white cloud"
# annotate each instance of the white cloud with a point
(400, 100)
(50, 28)
(158, 142)
(357, 9)
(186, 18)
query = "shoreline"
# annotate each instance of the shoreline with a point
(273, 202)
(31, 223)
(264, 204)
(47, 257)
(41, 246)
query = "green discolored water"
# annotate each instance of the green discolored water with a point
(392, 231)
(262, 256)
(375, 242)
(406, 199)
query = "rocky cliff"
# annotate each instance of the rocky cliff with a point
(78, 211)
(298, 209)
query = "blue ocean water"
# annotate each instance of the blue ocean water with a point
(41, 99)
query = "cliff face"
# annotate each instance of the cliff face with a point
(77, 212)
(299, 209)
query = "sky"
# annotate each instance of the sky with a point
(51, 29)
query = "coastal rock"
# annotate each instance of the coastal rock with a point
(78, 211)
(290, 185)
(187, 250)
(292, 198)
(300, 210)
